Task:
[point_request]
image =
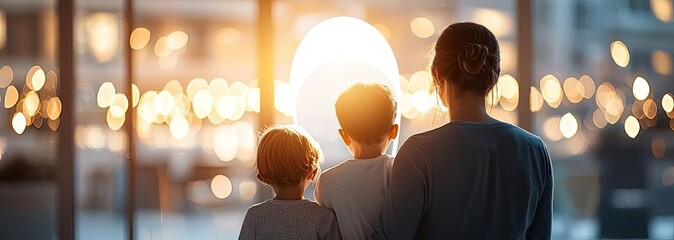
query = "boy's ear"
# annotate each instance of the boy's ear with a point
(394, 132)
(345, 137)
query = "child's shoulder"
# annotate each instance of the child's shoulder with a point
(323, 212)
(334, 170)
(343, 169)
(274, 207)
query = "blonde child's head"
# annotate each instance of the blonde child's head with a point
(287, 156)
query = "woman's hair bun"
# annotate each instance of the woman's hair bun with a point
(473, 57)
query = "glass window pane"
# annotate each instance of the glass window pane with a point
(100, 138)
(30, 118)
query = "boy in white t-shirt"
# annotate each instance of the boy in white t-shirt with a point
(355, 189)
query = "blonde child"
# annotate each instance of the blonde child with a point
(287, 160)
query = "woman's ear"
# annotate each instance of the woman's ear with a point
(444, 91)
(345, 137)
(394, 132)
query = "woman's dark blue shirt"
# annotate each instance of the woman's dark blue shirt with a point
(469, 180)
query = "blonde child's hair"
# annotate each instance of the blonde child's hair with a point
(287, 155)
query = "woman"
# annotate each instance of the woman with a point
(475, 177)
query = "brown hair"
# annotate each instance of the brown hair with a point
(286, 156)
(467, 55)
(366, 111)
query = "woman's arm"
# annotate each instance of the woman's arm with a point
(406, 197)
(541, 226)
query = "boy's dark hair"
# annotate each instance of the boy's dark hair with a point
(366, 112)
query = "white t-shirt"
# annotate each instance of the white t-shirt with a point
(355, 189)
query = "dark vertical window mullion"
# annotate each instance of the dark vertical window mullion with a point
(66, 149)
(265, 68)
(525, 66)
(131, 120)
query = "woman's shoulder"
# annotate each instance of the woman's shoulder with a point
(456, 132)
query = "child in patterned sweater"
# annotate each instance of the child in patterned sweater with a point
(287, 160)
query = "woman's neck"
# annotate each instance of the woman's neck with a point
(468, 107)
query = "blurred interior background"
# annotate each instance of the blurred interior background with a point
(599, 93)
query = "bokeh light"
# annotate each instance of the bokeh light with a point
(11, 96)
(202, 104)
(31, 104)
(116, 141)
(228, 36)
(283, 99)
(102, 31)
(135, 95)
(668, 102)
(95, 138)
(161, 47)
(253, 101)
(195, 85)
(35, 78)
(225, 143)
(499, 22)
(3, 32)
(139, 38)
(568, 125)
(640, 88)
(551, 90)
(164, 103)
(119, 105)
(6, 76)
(610, 101)
(114, 122)
(620, 53)
(247, 139)
(509, 87)
(574, 90)
(221, 186)
(551, 128)
(54, 108)
(598, 118)
(174, 87)
(19, 122)
(247, 189)
(536, 100)
(106, 93)
(658, 146)
(663, 10)
(177, 40)
(662, 62)
(420, 80)
(588, 86)
(650, 109)
(179, 127)
(218, 88)
(632, 126)
(509, 91)
(422, 27)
